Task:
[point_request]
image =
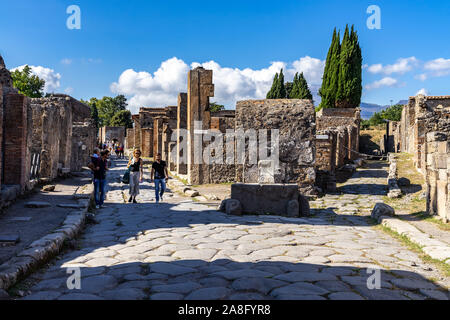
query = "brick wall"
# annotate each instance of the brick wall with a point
(15, 140)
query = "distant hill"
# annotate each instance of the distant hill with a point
(368, 109)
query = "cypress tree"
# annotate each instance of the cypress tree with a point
(331, 74)
(350, 70)
(271, 93)
(281, 90)
(355, 99)
(293, 92)
(289, 86)
(303, 91)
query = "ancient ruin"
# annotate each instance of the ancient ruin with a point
(43, 138)
(424, 131)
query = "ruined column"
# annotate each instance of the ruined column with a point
(200, 88)
(147, 142)
(15, 139)
(181, 124)
(157, 135)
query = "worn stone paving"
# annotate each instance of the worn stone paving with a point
(182, 249)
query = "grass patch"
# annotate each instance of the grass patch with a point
(441, 265)
(422, 215)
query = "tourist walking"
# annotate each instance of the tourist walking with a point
(100, 168)
(136, 167)
(160, 175)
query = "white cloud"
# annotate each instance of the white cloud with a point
(49, 75)
(385, 82)
(231, 84)
(422, 91)
(421, 77)
(68, 90)
(66, 61)
(402, 66)
(438, 67)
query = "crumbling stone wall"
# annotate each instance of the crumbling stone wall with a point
(346, 123)
(422, 114)
(84, 138)
(437, 175)
(43, 130)
(296, 122)
(129, 141)
(424, 131)
(326, 143)
(111, 133)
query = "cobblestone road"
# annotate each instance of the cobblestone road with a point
(182, 249)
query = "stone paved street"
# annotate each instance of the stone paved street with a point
(181, 249)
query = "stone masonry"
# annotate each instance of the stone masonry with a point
(295, 120)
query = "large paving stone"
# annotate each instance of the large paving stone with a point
(79, 296)
(299, 288)
(242, 273)
(170, 268)
(166, 296)
(43, 295)
(262, 285)
(305, 276)
(97, 284)
(345, 296)
(124, 294)
(213, 293)
(410, 284)
(182, 288)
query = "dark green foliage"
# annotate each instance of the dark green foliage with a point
(27, 84)
(300, 88)
(350, 70)
(330, 81)
(271, 93)
(278, 90)
(122, 119)
(342, 78)
(94, 114)
(288, 85)
(393, 113)
(107, 108)
(214, 107)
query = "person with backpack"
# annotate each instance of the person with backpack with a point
(136, 168)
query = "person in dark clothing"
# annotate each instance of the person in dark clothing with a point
(160, 175)
(100, 168)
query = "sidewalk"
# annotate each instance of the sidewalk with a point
(40, 222)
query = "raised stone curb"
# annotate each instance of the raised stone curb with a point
(432, 247)
(44, 248)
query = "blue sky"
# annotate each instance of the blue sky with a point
(130, 47)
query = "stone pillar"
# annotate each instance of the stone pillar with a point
(130, 139)
(171, 160)
(15, 139)
(165, 140)
(157, 135)
(147, 142)
(181, 124)
(200, 88)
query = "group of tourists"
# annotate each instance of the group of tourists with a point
(135, 168)
(114, 146)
